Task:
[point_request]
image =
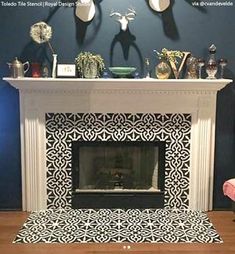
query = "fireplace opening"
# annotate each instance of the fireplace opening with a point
(118, 174)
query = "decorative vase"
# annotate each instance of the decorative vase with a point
(90, 71)
(36, 72)
(163, 70)
(211, 66)
(192, 68)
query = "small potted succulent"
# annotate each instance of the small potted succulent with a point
(89, 65)
(163, 69)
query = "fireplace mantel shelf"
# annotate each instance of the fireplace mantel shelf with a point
(73, 84)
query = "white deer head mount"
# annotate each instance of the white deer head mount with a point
(124, 19)
(85, 10)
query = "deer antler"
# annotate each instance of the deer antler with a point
(114, 13)
(131, 15)
(132, 10)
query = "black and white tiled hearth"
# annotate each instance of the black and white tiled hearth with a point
(64, 128)
(117, 225)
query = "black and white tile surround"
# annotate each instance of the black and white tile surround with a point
(63, 128)
(117, 225)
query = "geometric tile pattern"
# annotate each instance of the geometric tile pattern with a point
(118, 225)
(63, 128)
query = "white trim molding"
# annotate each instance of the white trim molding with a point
(40, 96)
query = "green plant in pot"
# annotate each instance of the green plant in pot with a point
(89, 65)
(163, 69)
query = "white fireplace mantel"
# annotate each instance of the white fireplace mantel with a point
(40, 96)
(62, 84)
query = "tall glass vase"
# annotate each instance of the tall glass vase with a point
(53, 73)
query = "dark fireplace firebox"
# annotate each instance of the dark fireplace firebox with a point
(127, 174)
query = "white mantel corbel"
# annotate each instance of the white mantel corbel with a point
(40, 96)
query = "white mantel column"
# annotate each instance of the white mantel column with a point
(203, 145)
(33, 154)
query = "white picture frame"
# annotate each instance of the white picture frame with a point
(66, 70)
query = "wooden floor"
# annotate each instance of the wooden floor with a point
(10, 223)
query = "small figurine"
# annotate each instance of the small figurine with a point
(45, 71)
(147, 68)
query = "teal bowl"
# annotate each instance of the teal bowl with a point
(122, 72)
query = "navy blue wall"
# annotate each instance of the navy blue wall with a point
(181, 27)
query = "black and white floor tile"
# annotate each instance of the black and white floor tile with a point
(117, 225)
